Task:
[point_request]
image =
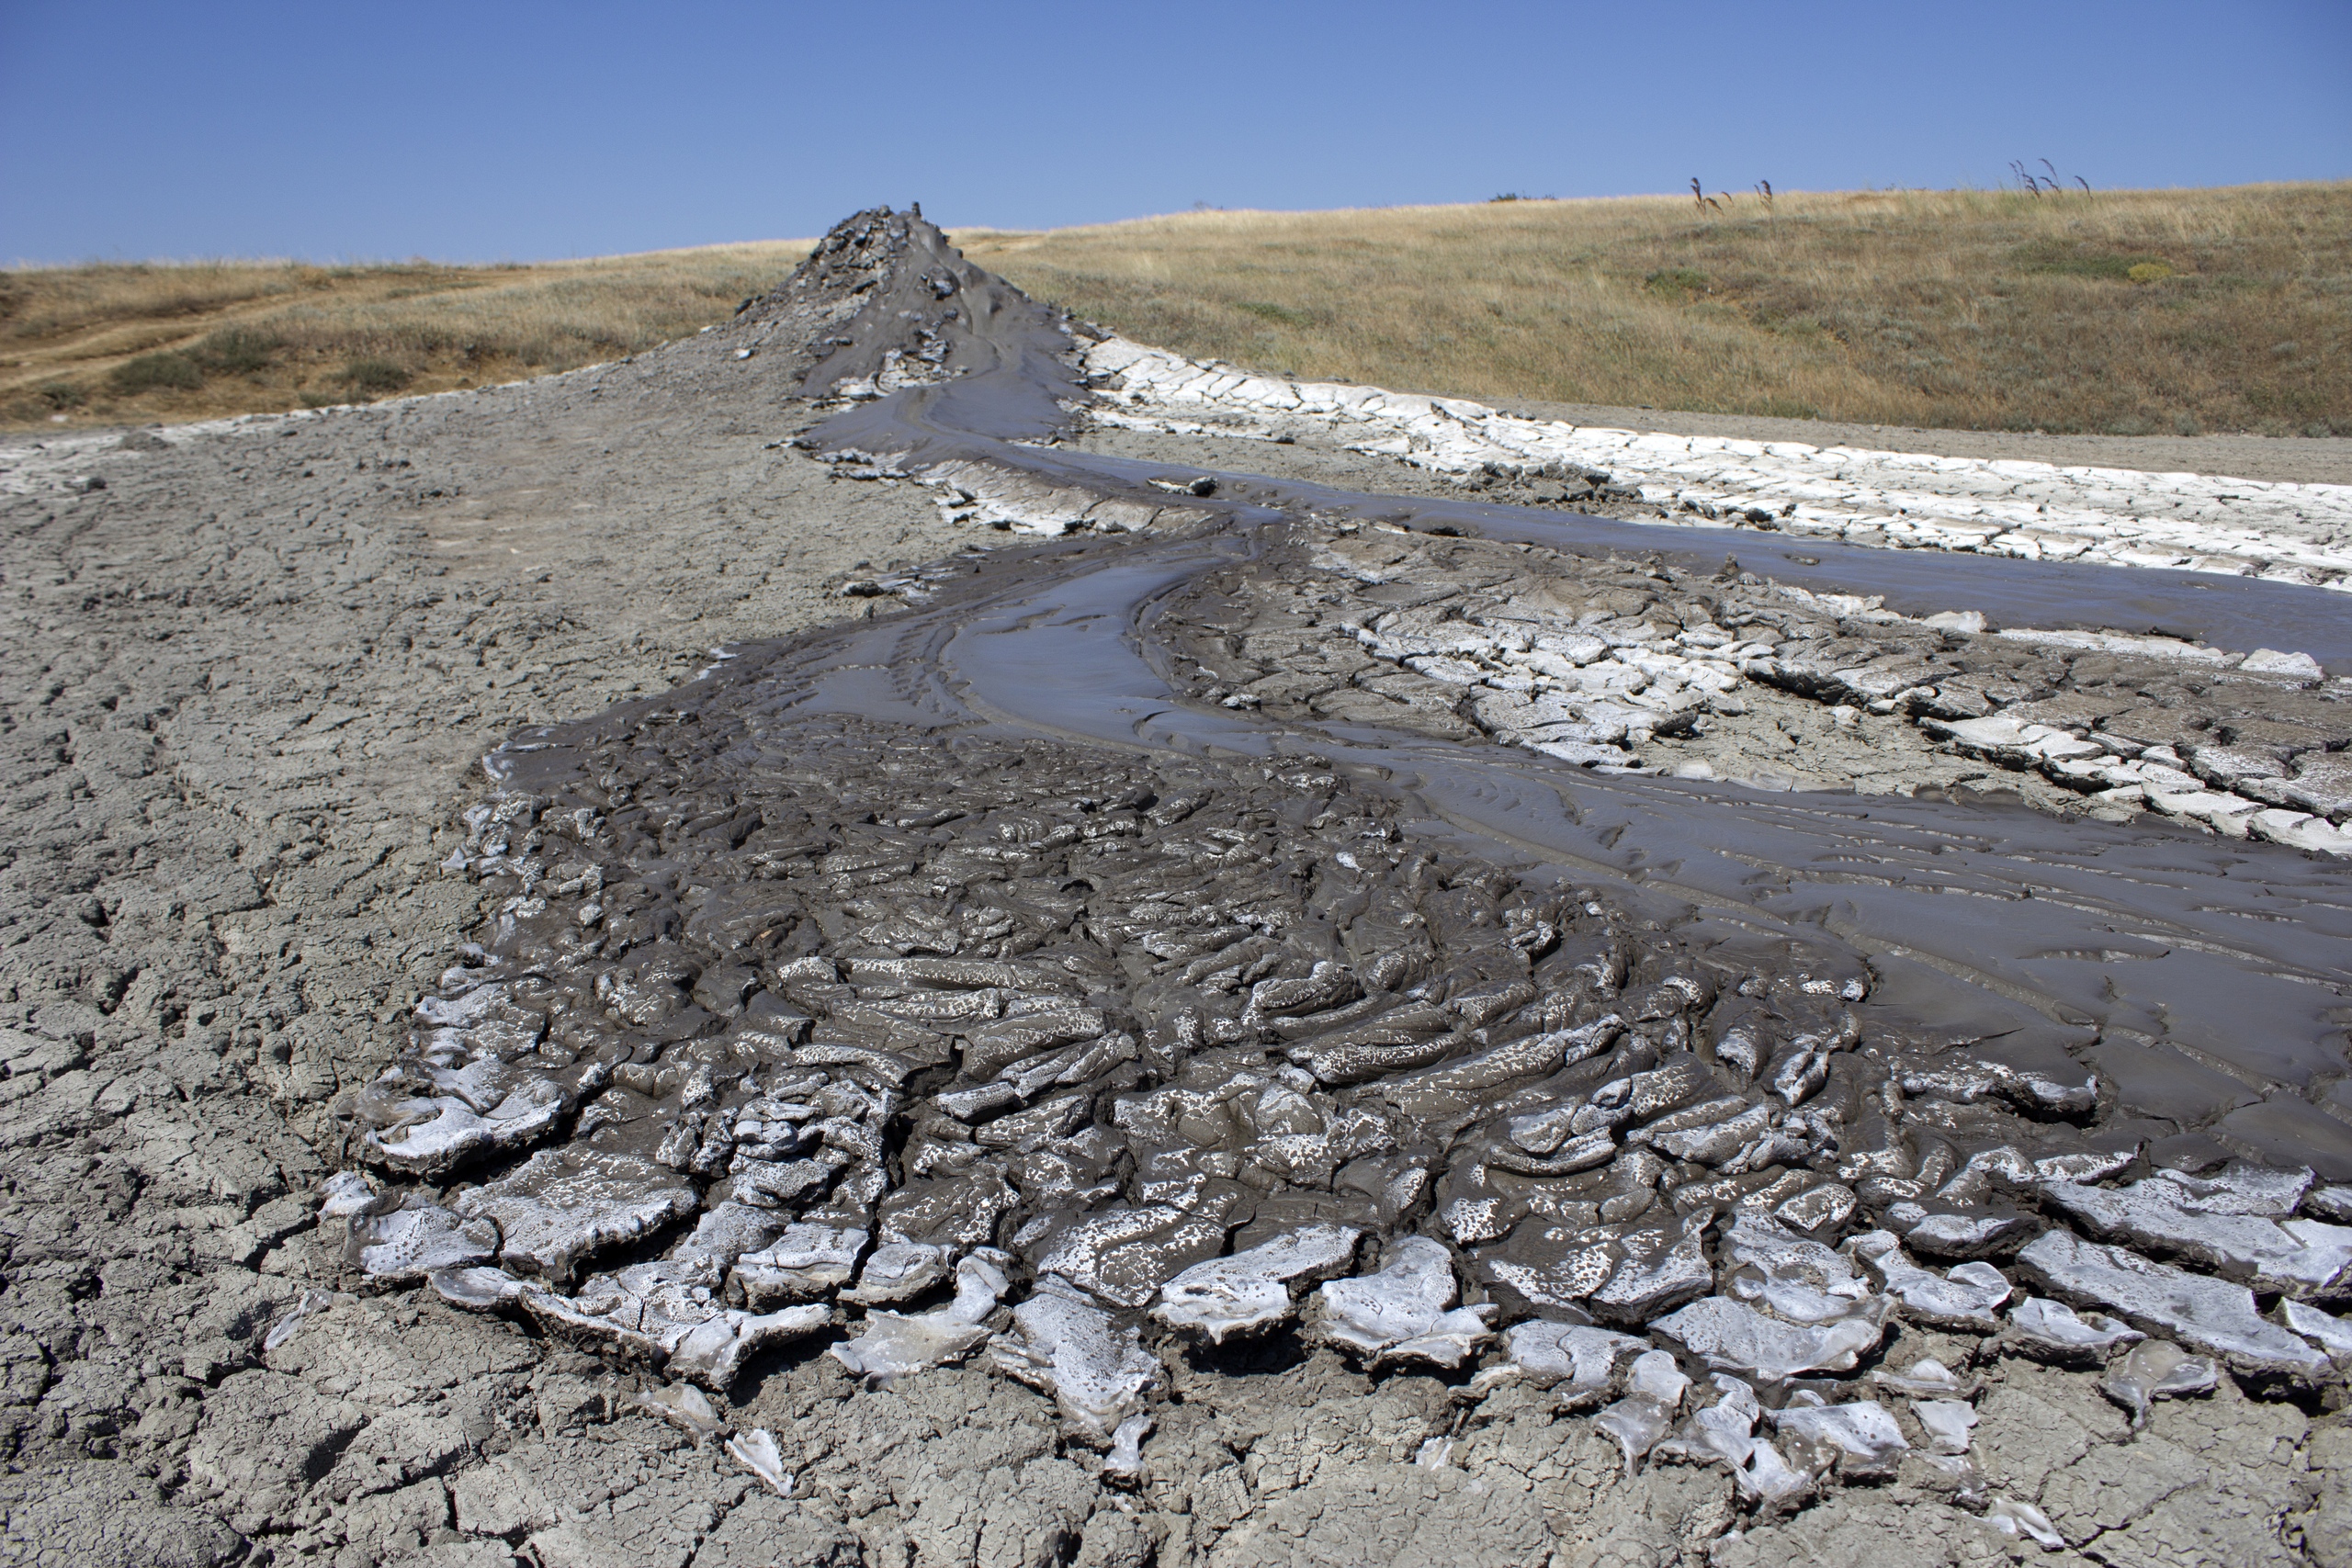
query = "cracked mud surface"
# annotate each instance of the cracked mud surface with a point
(1140, 1056)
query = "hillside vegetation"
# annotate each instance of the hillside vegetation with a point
(2130, 312)
(114, 344)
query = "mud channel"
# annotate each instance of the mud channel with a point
(1237, 1016)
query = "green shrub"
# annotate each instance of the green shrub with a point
(150, 372)
(61, 395)
(1282, 314)
(375, 376)
(235, 351)
(2072, 260)
(1677, 282)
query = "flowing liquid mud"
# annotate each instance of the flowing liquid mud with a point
(963, 978)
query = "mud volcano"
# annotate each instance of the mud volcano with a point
(1809, 1035)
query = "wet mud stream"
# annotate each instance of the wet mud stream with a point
(978, 980)
(2031, 917)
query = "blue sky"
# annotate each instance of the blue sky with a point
(492, 130)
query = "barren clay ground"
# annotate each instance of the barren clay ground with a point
(245, 681)
(248, 679)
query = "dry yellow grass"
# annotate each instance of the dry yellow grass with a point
(1968, 310)
(2128, 312)
(181, 340)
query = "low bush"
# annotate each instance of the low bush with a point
(2073, 260)
(155, 372)
(235, 351)
(375, 377)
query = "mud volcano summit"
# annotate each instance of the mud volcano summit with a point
(1319, 975)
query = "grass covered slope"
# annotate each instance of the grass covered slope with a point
(2131, 313)
(124, 343)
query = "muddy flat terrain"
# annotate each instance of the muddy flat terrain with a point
(800, 950)
(268, 660)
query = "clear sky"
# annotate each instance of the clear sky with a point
(502, 129)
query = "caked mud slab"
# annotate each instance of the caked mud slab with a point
(1285, 1024)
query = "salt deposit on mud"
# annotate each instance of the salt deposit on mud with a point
(1284, 1023)
(2283, 532)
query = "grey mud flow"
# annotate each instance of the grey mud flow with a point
(999, 982)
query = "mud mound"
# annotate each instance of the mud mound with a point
(886, 304)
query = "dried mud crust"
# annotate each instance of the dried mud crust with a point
(248, 676)
(243, 679)
(2293, 460)
(1626, 664)
(1120, 1019)
(2287, 533)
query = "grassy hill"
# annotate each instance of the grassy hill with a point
(179, 341)
(2129, 313)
